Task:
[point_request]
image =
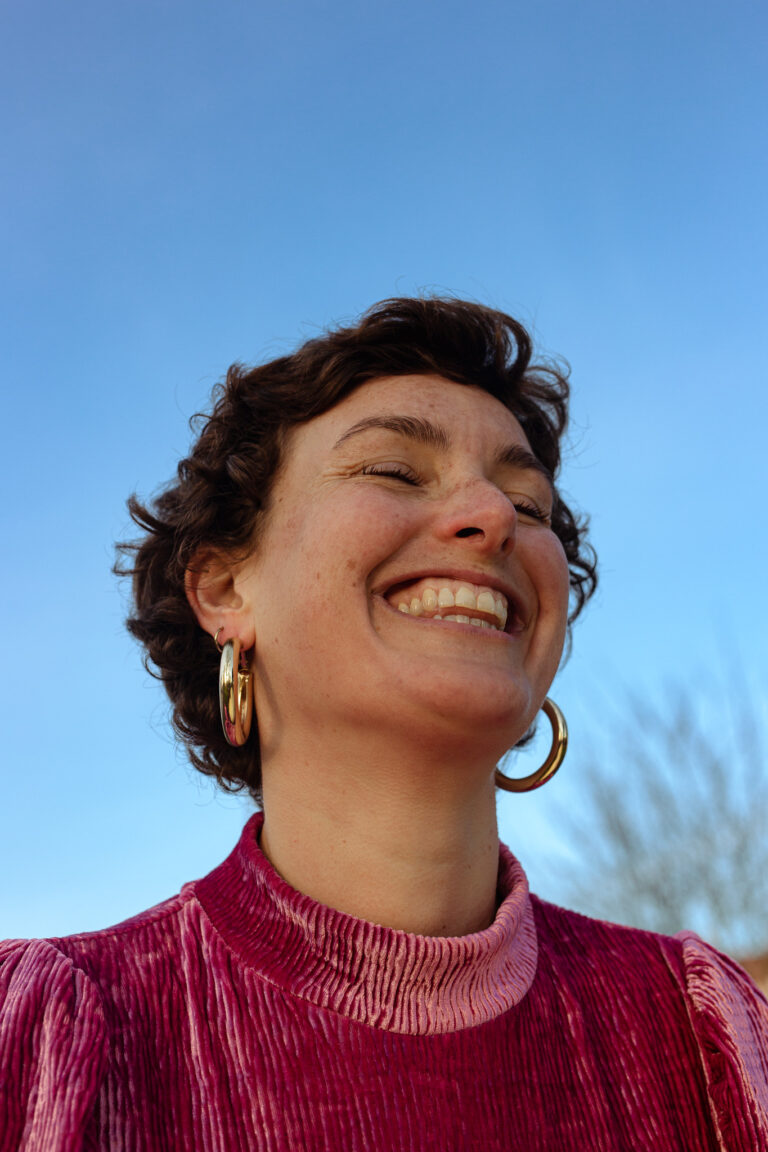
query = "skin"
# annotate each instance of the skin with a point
(380, 732)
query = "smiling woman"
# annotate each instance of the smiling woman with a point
(219, 509)
(367, 553)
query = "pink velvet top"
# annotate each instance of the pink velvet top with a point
(242, 1015)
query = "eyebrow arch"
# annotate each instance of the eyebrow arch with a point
(414, 427)
(434, 436)
(516, 456)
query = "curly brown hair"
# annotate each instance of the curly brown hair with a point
(222, 489)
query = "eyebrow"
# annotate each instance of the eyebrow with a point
(515, 456)
(423, 431)
(415, 428)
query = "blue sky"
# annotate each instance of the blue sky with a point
(187, 184)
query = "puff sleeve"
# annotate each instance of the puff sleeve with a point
(730, 1019)
(52, 1048)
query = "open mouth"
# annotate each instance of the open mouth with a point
(442, 598)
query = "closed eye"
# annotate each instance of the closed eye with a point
(524, 508)
(396, 471)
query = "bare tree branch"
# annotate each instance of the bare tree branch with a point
(673, 831)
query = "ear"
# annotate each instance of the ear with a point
(214, 594)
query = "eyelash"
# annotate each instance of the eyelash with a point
(409, 477)
(532, 510)
(390, 470)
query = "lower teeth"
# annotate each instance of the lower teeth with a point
(468, 620)
(402, 607)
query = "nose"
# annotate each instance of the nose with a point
(483, 516)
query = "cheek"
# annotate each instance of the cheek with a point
(563, 578)
(551, 579)
(549, 571)
(319, 563)
(351, 535)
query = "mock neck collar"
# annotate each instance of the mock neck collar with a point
(382, 977)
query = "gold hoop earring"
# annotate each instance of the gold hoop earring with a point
(553, 760)
(235, 694)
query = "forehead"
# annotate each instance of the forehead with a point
(464, 412)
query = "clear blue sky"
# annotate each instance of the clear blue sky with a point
(186, 184)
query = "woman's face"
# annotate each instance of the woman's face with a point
(413, 492)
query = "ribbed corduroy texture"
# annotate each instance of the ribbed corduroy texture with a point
(242, 1015)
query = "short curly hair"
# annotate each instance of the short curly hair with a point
(222, 489)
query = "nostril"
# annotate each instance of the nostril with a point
(470, 532)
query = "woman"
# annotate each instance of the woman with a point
(370, 535)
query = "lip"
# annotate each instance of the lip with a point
(519, 614)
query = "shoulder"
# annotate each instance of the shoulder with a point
(665, 979)
(155, 930)
(586, 946)
(36, 973)
(730, 1017)
(57, 1017)
(612, 976)
(719, 987)
(52, 1041)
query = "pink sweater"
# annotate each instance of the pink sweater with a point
(242, 1015)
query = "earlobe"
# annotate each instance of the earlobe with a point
(214, 597)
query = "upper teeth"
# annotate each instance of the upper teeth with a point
(432, 598)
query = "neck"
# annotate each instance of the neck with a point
(400, 841)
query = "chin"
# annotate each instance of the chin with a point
(487, 711)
